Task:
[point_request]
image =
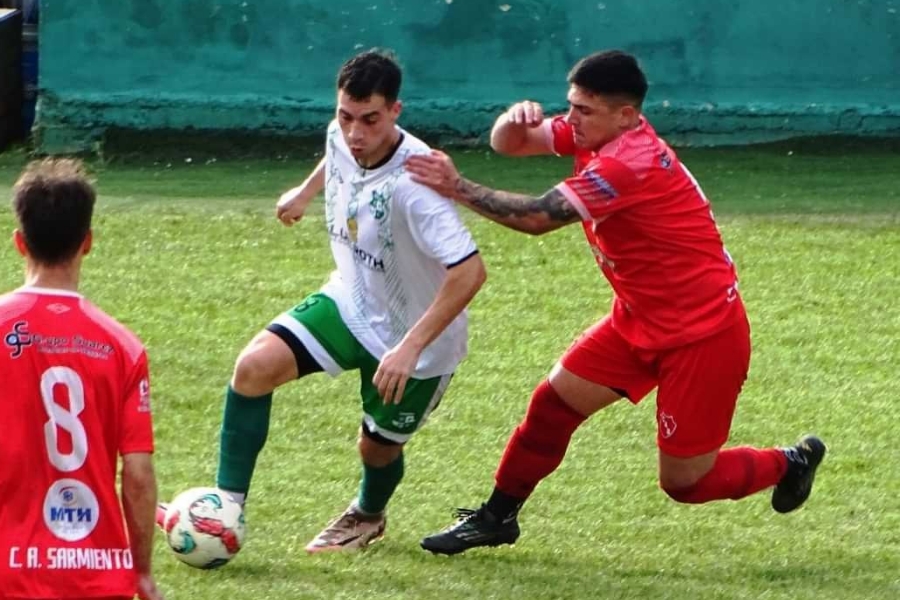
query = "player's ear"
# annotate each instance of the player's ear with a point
(628, 113)
(19, 242)
(396, 109)
(88, 242)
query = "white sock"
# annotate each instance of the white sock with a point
(237, 497)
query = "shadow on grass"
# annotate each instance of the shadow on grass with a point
(395, 571)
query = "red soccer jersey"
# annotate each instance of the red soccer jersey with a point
(653, 234)
(75, 394)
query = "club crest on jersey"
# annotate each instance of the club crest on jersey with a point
(18, 339)
(352, 228)
(378, 205)
(665, 160)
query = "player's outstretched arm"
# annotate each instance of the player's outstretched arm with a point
(139, 505)
(459, 287)
(293, 203)
(519, 131)
(521, 212)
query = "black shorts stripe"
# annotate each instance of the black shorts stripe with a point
(462, 260)
(377, 437)
(306, 364)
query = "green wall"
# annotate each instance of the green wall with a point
(721, 71)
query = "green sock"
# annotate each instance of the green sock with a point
(378, 485)
(245, 426)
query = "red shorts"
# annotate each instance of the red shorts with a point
(698, 383)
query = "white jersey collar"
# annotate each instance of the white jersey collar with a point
(32, 289)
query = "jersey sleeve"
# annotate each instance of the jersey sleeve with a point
(560, 136)
(603, 187)
(136, 433)
(435, 225)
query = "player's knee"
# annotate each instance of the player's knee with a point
(545, 407)
(682, 494)
(682, 485)
(376, 450)
(254, 373)
(549, 422)
(683, 479)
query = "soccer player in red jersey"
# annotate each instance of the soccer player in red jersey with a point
(677, 321)
(75, 395)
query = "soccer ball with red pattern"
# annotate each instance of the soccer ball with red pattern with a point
(204, 527)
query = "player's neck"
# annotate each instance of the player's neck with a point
(384, 152)
(630, 126)
(64, 277)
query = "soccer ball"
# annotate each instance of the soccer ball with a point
(204, 527)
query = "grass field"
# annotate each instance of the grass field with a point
(188, 255)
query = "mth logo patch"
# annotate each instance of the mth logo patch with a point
(71, 510)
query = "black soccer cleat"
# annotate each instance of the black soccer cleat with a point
(796, 485)
(474, 528)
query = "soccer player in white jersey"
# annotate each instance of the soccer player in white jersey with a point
(394, 309)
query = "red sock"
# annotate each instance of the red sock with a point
(538, 444)
(737, 472)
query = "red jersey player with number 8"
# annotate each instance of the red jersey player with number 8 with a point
(75, 395)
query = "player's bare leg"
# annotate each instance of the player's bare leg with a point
(265, 364)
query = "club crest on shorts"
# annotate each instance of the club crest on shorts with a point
(667, 425)
(404, 420)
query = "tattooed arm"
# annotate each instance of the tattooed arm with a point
(528, 214)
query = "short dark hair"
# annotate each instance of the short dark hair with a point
(54, 201)
(374, 71)
(611, 73)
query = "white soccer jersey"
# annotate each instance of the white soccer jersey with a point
(392, 241)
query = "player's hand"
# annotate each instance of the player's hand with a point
(292, 204)
(147, 590)
(528, 113)
(435, 170)
(394, 371)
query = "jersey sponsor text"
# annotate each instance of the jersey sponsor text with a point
(98, 559)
